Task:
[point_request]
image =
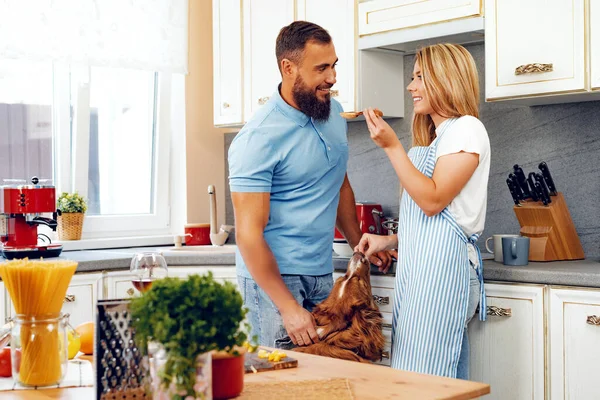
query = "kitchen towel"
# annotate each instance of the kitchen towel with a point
(79, 373)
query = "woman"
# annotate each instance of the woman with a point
(439, 278)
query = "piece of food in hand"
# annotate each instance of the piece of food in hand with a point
(86, 335)
(355, 114)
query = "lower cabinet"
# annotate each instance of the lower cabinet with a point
(574, 344)
(507, 350)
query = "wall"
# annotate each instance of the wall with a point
(204, 143)
(566, 136)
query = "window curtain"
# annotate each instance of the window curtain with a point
(141, 34)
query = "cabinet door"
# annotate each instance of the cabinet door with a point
(337, 17)
(594, 46)
(388, 15)
(534, 47)
(507, 350)
(227, 62)
(3, 303)
(80, 298)
(574, 339)
(263, 19)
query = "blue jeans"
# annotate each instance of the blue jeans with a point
(462, 370)
(264, 317)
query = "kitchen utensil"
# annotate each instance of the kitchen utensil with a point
(497, 248)
(532, 190)
(515, 250)
(544, 189)
(356, 114)
(521, 181)
(547, 178)
(197, 234)
(540, 193)
(513, 193)
(254, 364)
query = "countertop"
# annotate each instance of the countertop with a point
(366, 381)
(582, 273)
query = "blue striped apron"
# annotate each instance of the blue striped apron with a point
(432, 282)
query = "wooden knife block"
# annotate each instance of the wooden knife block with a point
(550, 229)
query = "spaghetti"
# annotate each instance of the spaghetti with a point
(37, 290)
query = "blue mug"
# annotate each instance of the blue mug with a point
(515, 250)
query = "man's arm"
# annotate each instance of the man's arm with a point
(251, 217)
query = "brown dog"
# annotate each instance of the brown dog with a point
(348, 321)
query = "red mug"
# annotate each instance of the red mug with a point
(197, 234)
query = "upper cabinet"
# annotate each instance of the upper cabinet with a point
(263, 19)
(337, 17)
(594, 10)
(537, 49)
(387, 15)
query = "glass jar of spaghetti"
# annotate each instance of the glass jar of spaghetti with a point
(39, 349)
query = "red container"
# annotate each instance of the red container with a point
(197, 234)
(227, 376)
(368, 221)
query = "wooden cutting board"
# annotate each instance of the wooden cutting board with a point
(263, 364)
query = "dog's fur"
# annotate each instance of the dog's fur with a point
(349, 323)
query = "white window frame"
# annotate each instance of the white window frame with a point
(72, 156)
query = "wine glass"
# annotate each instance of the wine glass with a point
(147, 267)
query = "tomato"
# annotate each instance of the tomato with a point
(5, 367)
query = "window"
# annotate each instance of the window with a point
(103, 132)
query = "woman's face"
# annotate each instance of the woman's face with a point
(417, 91)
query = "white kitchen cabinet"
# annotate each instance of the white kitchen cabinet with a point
(227, 62)
(388, 15)
(594, 46)
(507, 350)
(263, 19)
(337, 17)
(574, 343)
(3, 303)
(534, 48)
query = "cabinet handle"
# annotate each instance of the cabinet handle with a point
(498, 311)
(263, 100)
(593, 320)
(386, 326)
(379, 300)
(225, 105)
(70, 298)
(385, 354)
(130, 291)
(334, 93)
(533, 68)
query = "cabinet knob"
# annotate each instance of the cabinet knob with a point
(130, 291)
(70, 298)
(498, 311)
(385, 354)
(533, 68)
(226, 105)
(263, 100)
(334, 93)
(593, 320)
(379, 300)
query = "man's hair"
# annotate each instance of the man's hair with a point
(293, 38)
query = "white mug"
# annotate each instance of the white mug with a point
(497, 250)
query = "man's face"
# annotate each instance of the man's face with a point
(316, 75)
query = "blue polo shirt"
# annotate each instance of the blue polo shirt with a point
(302, 164)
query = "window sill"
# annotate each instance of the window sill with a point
(114, 243)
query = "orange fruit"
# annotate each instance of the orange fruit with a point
(86, 335)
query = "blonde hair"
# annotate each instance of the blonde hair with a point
(451, 84)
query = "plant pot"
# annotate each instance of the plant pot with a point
(227, 375)
(70, 226)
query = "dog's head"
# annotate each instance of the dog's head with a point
(354, 288)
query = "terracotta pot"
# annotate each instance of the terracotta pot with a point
(227, 375)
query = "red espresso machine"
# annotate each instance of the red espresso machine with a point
(20, 209)
(370, 217)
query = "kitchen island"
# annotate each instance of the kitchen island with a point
(365, 381)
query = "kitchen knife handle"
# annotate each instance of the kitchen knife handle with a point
(512, 192)
(531, 182)
(522, 181)
(541, 193)
(547, 177)
(540, 179)
(516, 188)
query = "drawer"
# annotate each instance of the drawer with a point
(79, 303)
(383, 298)
(387, 348)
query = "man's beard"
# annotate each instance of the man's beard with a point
(307, 101)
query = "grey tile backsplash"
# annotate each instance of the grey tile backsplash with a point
(566, 136)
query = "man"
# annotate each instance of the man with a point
(287, 174)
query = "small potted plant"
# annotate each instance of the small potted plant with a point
(72, 207)
(192, 318)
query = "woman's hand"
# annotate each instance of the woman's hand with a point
(382, 134)
(370, 244)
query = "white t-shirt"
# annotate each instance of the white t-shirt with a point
(468, 134)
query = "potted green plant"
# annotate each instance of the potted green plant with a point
(191, 318)
(72, 208)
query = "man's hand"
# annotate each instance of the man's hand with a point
(300, 326)
(383, 260)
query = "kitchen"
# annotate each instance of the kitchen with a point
(563, 135)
